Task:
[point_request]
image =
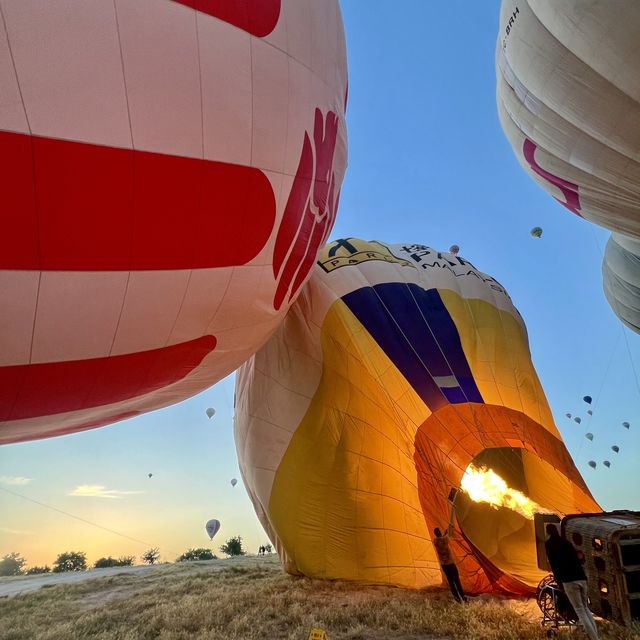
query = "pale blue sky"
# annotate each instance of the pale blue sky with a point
(428, 163)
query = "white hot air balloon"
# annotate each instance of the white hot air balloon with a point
(169, 170)
(568, 93)
(212, 527)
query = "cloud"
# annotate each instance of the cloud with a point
(15, 481)
(16, 532)
(99, 491)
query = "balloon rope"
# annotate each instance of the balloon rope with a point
(604, 378)
(71, 515)
(622, 325)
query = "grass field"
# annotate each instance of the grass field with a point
(252, 599)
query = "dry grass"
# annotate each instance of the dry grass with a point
(255, 600)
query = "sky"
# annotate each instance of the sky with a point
(428, 163)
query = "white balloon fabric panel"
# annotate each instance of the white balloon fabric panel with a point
(621, 279)
(568, 93)
(171, 169)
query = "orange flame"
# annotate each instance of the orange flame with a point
(484, 485)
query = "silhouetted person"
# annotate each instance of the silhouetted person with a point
(448, 564)
(260, 551)
(570, 576)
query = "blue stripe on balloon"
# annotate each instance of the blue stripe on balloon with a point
(415, 330)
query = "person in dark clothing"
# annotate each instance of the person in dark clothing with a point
(570, 576)
(441, 543)
(448, 564)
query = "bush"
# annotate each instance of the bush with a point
(268, 548)
(151, 556)
(70, 561)
(123, 561)
(12, 564)
(35, 570)
(196, 554)
(233, 547)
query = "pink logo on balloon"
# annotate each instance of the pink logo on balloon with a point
(569, 189)
(310, 211)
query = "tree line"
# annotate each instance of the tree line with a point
(13, 564)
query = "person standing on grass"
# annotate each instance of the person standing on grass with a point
(570, 576)
(447, 562)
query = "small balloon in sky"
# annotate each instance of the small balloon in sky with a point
(212, 528)
(588, 399)
(211, 412)
(577, 419)
(590, 412)
(150, 474)
(589, 436)
(234, 482)
(615, 448)
(626, 425)
(568, 415)
(454, 249)
(607, 464)
(536, 232)
(592, 464)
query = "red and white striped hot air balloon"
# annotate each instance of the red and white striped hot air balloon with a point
(170, 169)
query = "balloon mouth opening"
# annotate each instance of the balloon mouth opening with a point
(495, 509)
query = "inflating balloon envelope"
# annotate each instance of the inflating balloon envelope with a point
(399, 374)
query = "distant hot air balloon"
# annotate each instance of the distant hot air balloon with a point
(150, 475)
(392, 374)
(577, 419)
(589, 412)
(626, 425)
(592, 464)
(234, 482)
(536, 232)
(169, 171)
(587, 399)
(454, 249)
(560, 96)
(606, 463)
(568, 415)
(210, 412)
(615, 448)
(589, 436)
(212, 528)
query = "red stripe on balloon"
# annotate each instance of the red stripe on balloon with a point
(25, 435)
(32, 390)
(257, 17)
(81, 207)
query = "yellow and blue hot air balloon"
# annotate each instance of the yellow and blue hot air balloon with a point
(397, 369)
